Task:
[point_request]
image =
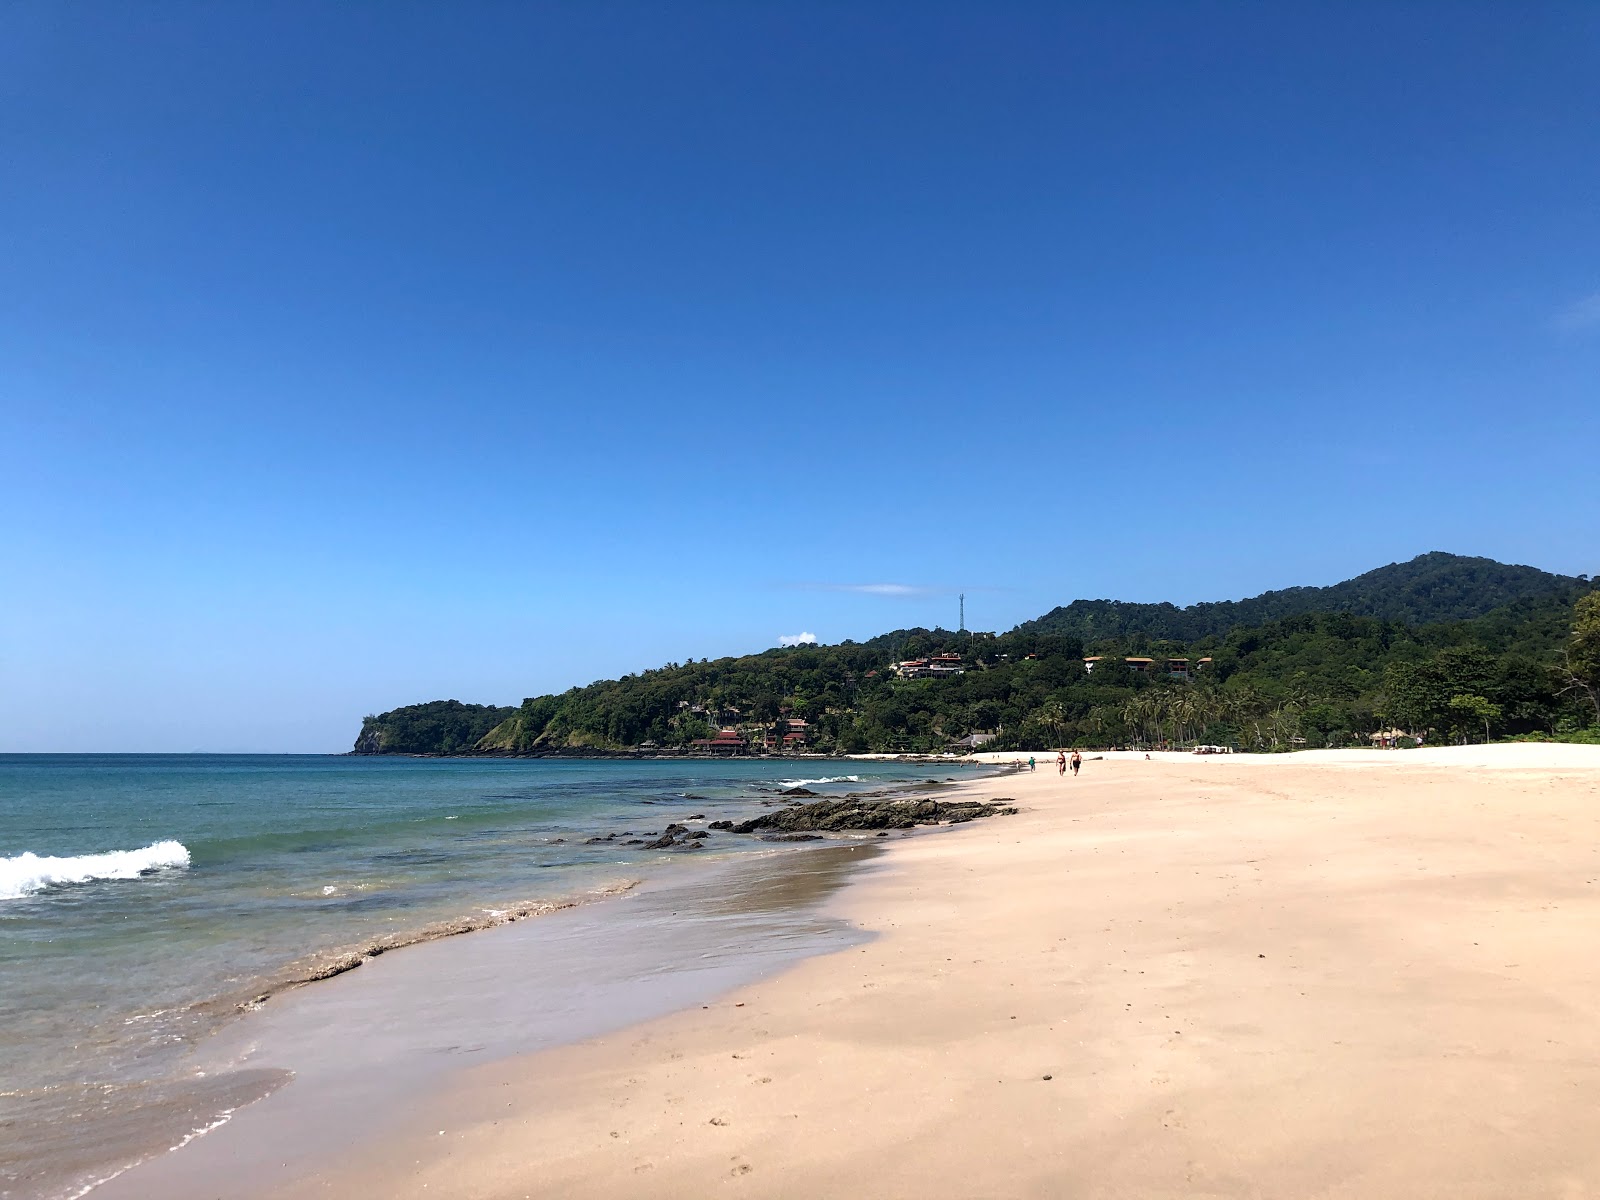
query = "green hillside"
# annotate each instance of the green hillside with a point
(1307, 678)
(1427, 589)
(437, 727)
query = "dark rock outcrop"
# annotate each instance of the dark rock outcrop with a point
(854, 813)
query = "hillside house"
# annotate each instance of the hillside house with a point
(1175, 668)
(940, 666)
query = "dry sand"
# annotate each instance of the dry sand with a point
(1329, 975)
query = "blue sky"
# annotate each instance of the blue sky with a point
(354, 355)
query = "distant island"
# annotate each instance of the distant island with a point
(1440, 648)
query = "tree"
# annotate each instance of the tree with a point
(1581, 664)
(1475, 708)
(1054, 717)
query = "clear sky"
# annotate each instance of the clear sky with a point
(358, 354)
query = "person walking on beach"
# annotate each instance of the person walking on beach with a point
(1061, 762)
(1032, 766)
(1077, 761)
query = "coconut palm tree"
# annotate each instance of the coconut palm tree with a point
(1054, 717)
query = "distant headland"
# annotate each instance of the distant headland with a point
(1443, 648)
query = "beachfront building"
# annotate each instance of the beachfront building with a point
(726, 742)
(1392, 739)
(973, 741)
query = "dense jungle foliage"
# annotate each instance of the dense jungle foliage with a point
(1530, 665)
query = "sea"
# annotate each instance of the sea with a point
(148, 901)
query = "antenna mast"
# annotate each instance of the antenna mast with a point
(963, 627)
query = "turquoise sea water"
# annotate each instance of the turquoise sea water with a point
(143, 898)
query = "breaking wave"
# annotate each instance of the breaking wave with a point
(27, 874)
(789, 783)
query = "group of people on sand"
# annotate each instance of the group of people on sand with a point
(1062, 763)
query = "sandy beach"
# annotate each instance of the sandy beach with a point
(1328, 974)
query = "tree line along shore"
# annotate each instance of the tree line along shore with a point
(1436, 650)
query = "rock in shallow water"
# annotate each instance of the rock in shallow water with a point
(856, 813)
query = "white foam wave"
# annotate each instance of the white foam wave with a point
(25, 874)
(789, 783)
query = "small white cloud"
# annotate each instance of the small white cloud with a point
(886, 589)
(898, 591)
(797, 639)
(1585, 314)
(871, 589)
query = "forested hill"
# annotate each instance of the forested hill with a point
(1426, 590)
(1530, 664)
(437, 727)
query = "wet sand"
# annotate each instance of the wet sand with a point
(1299, 976)
(368, 1047)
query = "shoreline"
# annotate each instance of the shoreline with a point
(351, 1056)
(87, 1130)
(752, 865)
(1297, 978)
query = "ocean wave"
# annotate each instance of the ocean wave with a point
(26, 874)
(789, 783)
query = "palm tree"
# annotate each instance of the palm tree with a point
(1055, 717)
